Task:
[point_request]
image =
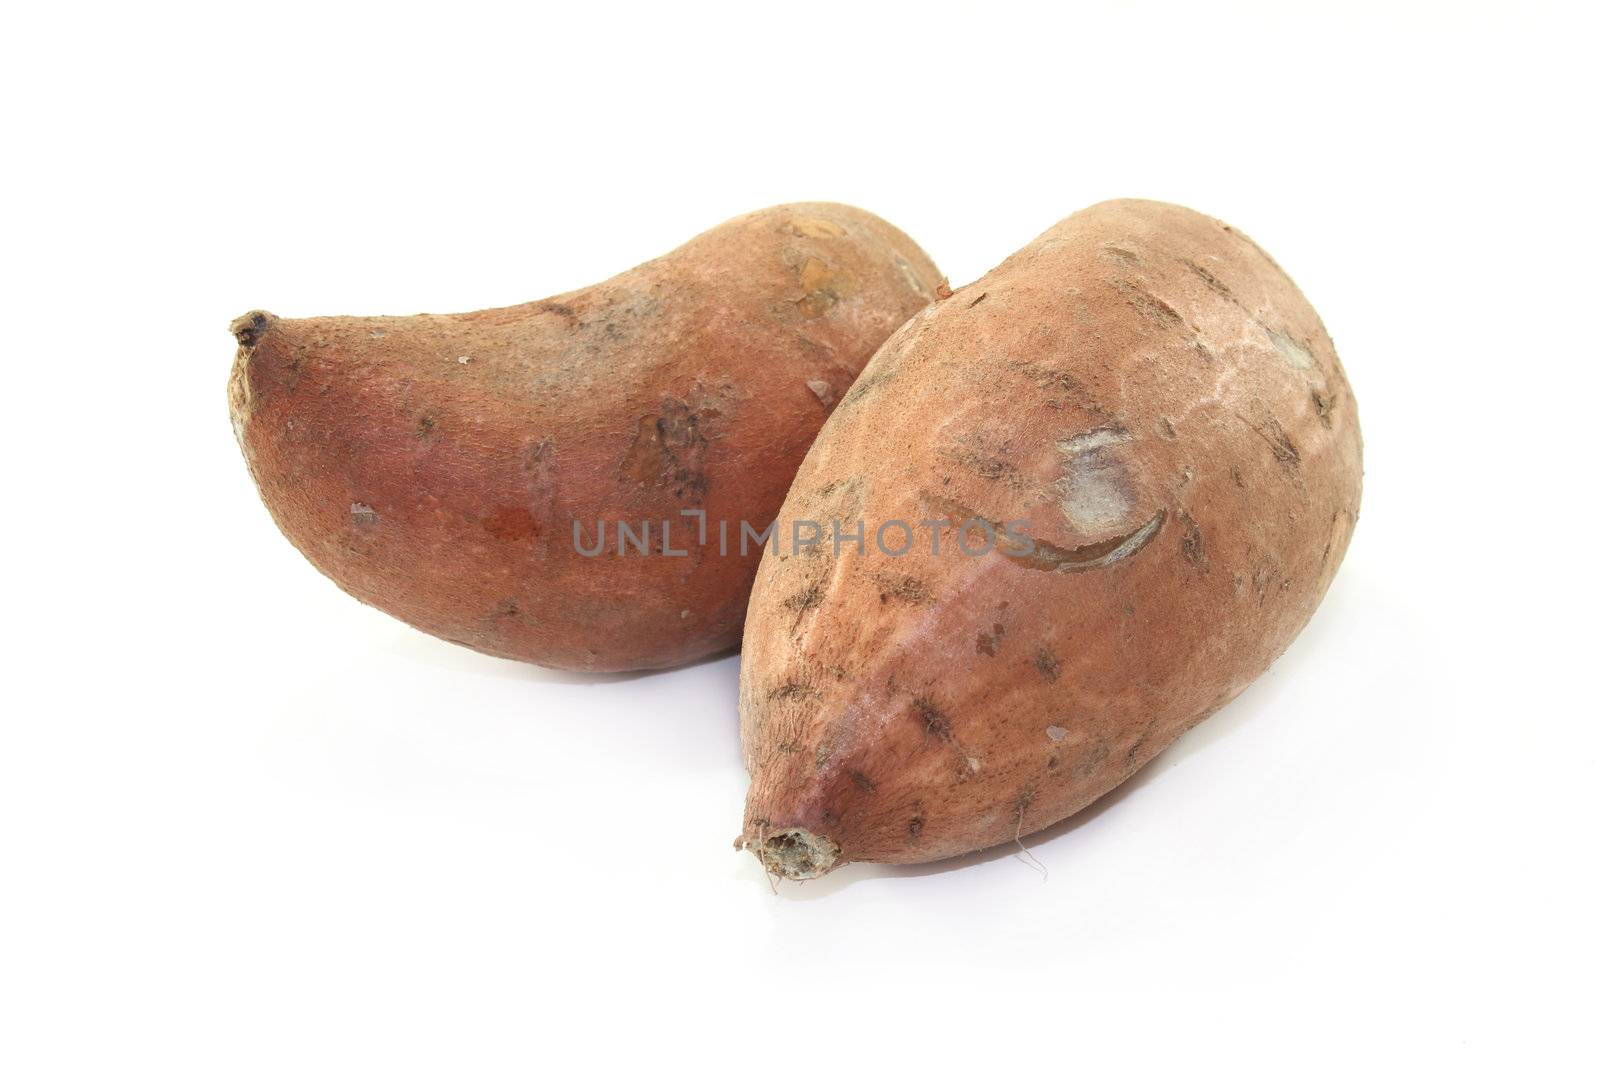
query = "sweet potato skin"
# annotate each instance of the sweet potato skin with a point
(1151, 394)
(433, 465)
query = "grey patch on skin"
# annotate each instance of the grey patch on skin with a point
(362, 515)
(1095, 495)
(1291, 350)
(823, 391)
(1056, 733)
(797, 854)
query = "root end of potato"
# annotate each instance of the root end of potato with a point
(248, 329)
(251, 327)
(796, 854)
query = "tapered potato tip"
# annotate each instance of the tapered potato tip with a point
(249, 327)
(795, 853)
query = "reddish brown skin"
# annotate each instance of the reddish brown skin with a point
(433, 465)
(1152, 394)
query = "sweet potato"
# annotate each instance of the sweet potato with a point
(434, 466)
(1150, 421)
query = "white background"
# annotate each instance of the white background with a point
(246, 820)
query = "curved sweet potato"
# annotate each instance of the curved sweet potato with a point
(434, 465)
(1150, 420)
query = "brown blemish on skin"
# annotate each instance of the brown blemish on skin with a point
(1121, 253)
(1324, 406)
(902, 587)
(1272, 432)
(914, 827)
(978, 301)
(805, 600)
(1211, 280)
(669, 449)
(1153, 308)
(865, 385)
(862, 782)
(425, 425)
(1087, 557)
(988, 643)
(1045, 555)
(934, 721)
(824, 287)
(1046, 663)
(509, 523)
(1194, 545)
(986, 466)
(792, 691)
(810, 227)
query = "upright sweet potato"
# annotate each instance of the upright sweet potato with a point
(1144, 423)
(435, 466)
